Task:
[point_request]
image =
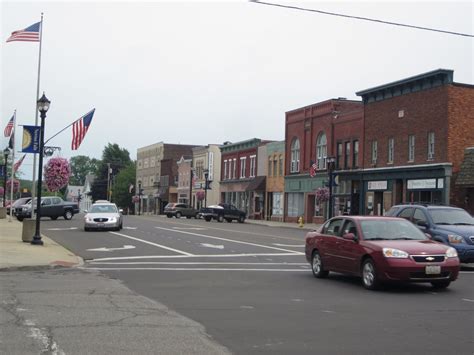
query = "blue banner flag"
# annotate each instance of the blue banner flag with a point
(31, 139)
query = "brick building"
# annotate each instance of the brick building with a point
(206, 159)
(331, 128)
(275, 187)
(415, 134)
(184, 179)
(157, 174)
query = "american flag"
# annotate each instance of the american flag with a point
(312, 169)
(16, 166)
(29, 34)
(9, 128)
(79, 129)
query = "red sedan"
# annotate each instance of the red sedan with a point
(380, 249)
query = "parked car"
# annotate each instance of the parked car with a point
(380, 249)
(221, 212)
(51, 206)
(449, 225)
(179, 210)
(17, 203)
(103, 216)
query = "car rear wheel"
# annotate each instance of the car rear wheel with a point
(229, 220)
(178, 214)
(208, 219)
(317, 266)
(196, 216)
(169, 216)
(68, 215)
(440, 284)
(220, 218)
(369, 275)
(19, 218)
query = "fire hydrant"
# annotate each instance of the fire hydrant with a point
(301, 222)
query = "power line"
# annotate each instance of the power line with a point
(362, 18)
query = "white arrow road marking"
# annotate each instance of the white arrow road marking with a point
(125, 247)
(289, 245)
(62, 229)
(212, 246)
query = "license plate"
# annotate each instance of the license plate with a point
(100, 225)
(433, 269)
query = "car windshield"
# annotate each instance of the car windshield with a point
(390, 230)
(452, 216)
(103, 209)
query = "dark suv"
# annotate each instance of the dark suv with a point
(448, 225)
(180, 209)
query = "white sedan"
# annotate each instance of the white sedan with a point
(103, 216)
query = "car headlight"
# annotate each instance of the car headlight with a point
(451, 253)
(112, 219)
(87, 219)
(394, 253)
(455, 239)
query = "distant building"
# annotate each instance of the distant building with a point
(274, 170)
(206, 159)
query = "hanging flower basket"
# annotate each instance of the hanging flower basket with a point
(200, 195)
(322, 194)
(57, 173)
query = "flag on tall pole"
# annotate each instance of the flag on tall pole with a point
(313, 168)
(9, 128)
(17, 165)
(11, 143)
(29, 34)
(79, 129)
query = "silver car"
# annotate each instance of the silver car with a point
(102, 216)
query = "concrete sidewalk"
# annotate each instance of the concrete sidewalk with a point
(307, 227)
(15, 253)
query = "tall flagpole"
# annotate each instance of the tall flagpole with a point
(12, 176)
(33, 187)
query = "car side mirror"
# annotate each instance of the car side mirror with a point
(85, 211)
(422, 224)
(120, 210)
(349, 236)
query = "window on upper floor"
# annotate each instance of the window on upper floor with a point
(270, 166)
(374, 152)
(225, 170)
(280, 165)
(355, 154)
(431, 145)
(253, 161)
(234, 169)
(339, 155)
(275, 165)
(243, 161)
(411, 148)
(347, 154)
(295, 156)
(390, 152)
(321, 151)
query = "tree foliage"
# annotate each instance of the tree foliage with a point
(117, 159)
(81, 165)
(120, 192)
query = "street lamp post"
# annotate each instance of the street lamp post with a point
(206, 178)
(42, 106)
(139, 196)
(331, 162)
(6, 152)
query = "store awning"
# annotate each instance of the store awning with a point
(466, 173)
(257, 184)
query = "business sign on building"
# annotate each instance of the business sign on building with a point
(377, 185)
(421, 184)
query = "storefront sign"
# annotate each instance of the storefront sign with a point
(421, 184)
(378, 185)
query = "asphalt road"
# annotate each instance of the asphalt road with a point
(252, 289)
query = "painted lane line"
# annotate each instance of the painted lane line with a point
(187, 269)
(129, 227)
(467, 300)
(125, 247)
(212, 246)
(151, 243)
(191, 228)
(62, 229)
(289, 245)
(188, 256)
(193, 263)
(231, 240)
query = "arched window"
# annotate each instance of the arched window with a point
(295, 156)
(321, 151)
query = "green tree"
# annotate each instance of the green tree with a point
(120, 191)
(81, 165)
(116, 159)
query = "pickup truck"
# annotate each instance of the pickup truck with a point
(221, 212)
(52, 207)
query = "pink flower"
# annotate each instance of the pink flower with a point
(56, 173)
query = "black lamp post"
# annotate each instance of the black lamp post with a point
(6, 152)
(139, 196)
(206, 186)
(42, 106)
(331, 162)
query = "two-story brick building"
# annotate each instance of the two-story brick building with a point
(275, 186)
(415, 134)
(314, 133)
(206, 160)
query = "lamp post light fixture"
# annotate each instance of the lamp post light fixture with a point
(331, 164)
(6, 153)
(206, 185)
(43, 107)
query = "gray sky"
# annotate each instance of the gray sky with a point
(196, 72)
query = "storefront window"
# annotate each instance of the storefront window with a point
(295, 204)
(277, 208)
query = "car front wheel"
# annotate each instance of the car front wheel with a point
(178, 214)
(68, 215)
(317, 266)
(369, 275)
(220, 218)
(241, 219)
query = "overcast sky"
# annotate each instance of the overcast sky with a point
(195, 72)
